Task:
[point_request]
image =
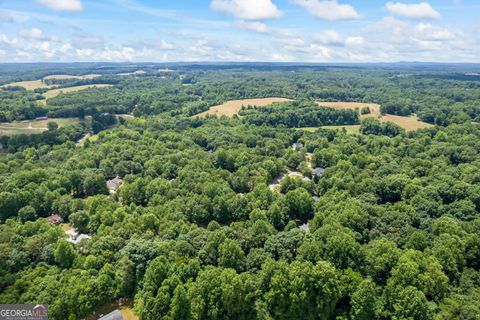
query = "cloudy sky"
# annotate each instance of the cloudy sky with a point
(240, 30)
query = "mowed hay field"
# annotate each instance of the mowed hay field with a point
(55, 92)
(35, 84)
(66, 76)
(374, 108)
(232, 107)
(32, 126)
(410, 123)
(29, 85)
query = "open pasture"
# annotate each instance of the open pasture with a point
(32, 126)
(55, 92)
(374, 108)
(67, 76)
(29, 85)
(409, 123)
(232, 107)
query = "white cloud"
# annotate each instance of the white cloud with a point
(36, 34)
(247, 9)
(329, 37)
(329, 10)
(422, 10)
(428, 32)
(165, 45)
(354, 41)
(252, 26)
(62, 5)
(333, 38)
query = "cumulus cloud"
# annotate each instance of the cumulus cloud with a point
(333, 38)
(252, 26)
(247, 9)
(36, 34)
(329, 10)
(422, 10)
(428, 32)
(62, 5)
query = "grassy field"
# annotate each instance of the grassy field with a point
(232, 107)
(35, 84)
(32, 126)
(408, 123)
(374, 108)
(55, 92)
(29, 85)
(350, 129)
(67, 76)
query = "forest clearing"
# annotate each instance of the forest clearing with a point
(55, 92)
(232, 107)
(32, 126)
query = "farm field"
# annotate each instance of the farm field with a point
(32, 126)
(67, 76)
(29, 85)
(408, 123)
(232, 107)
(55, 92)
(374, 108)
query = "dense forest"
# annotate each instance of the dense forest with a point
(388, 228)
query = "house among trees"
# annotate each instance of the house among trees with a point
(297, 146)
(41, 118)
(114, 315)
(55, 219)
(317, 172)
(114, 184)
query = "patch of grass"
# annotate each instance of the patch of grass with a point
(67, 76)
(232, 107)
(29, 85)
(32, 126)
(410, 123)
(55, 92)
(351, 129)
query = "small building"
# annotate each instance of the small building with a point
(77, 237)
(41, 118)
(114, 184)
(55, 219)
(297, 146)
(315, 198)
(317, 172)
(114, 315)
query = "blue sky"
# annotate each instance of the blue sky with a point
(239, 30)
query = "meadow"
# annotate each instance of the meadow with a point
(32, 126)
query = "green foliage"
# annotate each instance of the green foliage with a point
(195, 232)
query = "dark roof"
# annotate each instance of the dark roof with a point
(114, 315)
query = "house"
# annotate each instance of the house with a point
(41, 118)
(114, 315)
(317, 172)
(55, 219)
(75, 237)
(315, 198)
(114, 184)
(297, 146)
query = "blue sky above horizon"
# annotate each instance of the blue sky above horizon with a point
(239, 30)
